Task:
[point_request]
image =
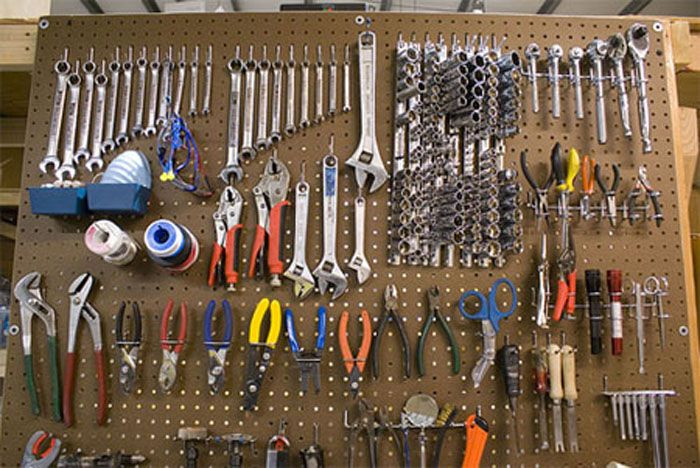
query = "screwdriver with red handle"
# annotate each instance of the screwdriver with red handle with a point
(539, 356)
(615, 292)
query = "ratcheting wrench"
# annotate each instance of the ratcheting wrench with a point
(298, 270)
(597, 50)
(359, 262)
(346, 79)
(328, 272)
(125, 100)
(366, 159)
(638, 46)
(304, 121)
(67, 169)
(89, 68)
(575, 56)
(263, 97)
(290, 128)
(194, 82)
(206, 98)
(153, 95)
(554, 55)
(532, 53)
(95, 159)
(332, 83)
(181, 76)
(233, 163)
(617, 50)
(62, 68)
(276, 114)
(250, 70)
(318, 105)
(166, 68)
(108, 143)
(141, 65)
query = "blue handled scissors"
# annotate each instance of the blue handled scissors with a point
(489, 308)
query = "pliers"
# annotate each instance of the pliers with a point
(391, 314)
(271, 203)
(436, 316)
(354, 364)
(365, 422)
(588, 166)
(41, 450)
(541, 203)
(128, 349)
(643, 184)
(79, 291)
(171, 347)
(566, 284)
(217, 349)
(260, 353)
(309, 361)
(610, 206)
(225, 260)
(31, 303)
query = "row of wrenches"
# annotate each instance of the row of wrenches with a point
(106, 104)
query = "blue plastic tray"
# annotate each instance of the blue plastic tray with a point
(57, 201)
(118, 198)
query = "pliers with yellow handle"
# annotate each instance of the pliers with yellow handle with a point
(260, 353)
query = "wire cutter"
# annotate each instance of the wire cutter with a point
(225, 260)
(217, 349)
(588, 166)
(171, 348)
(31, 303)
(309, 361)
(270, 199)
(541, 203)
(260, 353)
(79, 291)
(391, 314)
(41, 450)
(365, 422)
(355, 365)
(435, 315)
(643, 184)
(128, 349)
(610, 206)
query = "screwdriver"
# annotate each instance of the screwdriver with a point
(540, 365)
(568, 364)
(312, 456)
(595, 314)
(556, 392)
(587, 182)
(508, 359)
(565, 182)
(615, 291)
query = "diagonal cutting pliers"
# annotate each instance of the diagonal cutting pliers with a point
(217, 349)
(260, 352)
(225, 259)
(128, 348)
(309, 361)
(354, 364)
(391, 314)
(434, 315)
(610, 206)
(171, 347)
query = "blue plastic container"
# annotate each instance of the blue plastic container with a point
(57, 201)
(118, 198)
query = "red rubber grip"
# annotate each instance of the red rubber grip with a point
(182, 333)
(232, 260)
(101, 388)
(164, 324)
(274, 251)
(215, 257)
(571, 304)
(258, 244)
(616, 346)
(562, 295)
(68, 385)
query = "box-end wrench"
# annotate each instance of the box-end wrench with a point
(125, 100)
(141, 66)
(359, 262)
(366, 159)
(208, 70)
(554, 55)
(532, 53)
(89, 68)
(638, 46)
(290, 127)
(95, 160)
(108, 143)
(332, 84)
(617, 50)
(194, 82)
(276, 113)
(263, 100)
(346, 79)
(596, 51)
(298, 270)
(67, 169)
(163, 86)
(61, 68)
(153, 94)
(233, 171)
(575, 56)
(318, 89)
(250, 70)
(328, 272)
(304, 121)
(181, 76)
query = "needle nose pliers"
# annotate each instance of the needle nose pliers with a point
(217, 349)
(171, 347)
(354, 365)
(391, 314)
(309, 361)
(436, 316)
(260, 353)
(128, 348)
(541, 203)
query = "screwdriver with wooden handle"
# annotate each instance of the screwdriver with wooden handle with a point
(556, 393)
(568, 364)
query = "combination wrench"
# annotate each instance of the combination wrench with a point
(298, 270)
(141, 65)
(366, 159)
(89, 68)
(181, 76)
(163, 95)
(67, 169)
(332, 83)
(554, 55)
(61, 68)
(346, 79)
(263, 97)
(233, 165)
(359, 262)
(575, 56)
(318, 90)
(194, 82)
(290, 127)
(208, 70)
(638, 46)
(108, 143)
(276, 114)
(95, 160)
(617, 50)
(597, 50)
(250, 70)
(125, 100)
(304, 121)
(153, 94)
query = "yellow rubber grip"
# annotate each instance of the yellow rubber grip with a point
(275, 323)
(256, 320)
(572, 169)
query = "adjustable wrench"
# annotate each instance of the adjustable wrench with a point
(125, 100)
(597, 50)
(332, 83)
(304, 121)
(638, 46)
(366, 159)
(62, 68)
(181, 76)
(575, 56)
(346, 79)
(194, 82)
(290, 128)
(263, 98)
(318, 105)
(206, 98)
(164, 86)
(108, 143)
(359, 262)
(95, 159)
(233, 163)
(67, 169)
(328, 272)
(89, 68)
(554, 55)
(532, 53)
(298, 270)
(153, 94)
(141, 65)
(617, 49)
(276, 115)
(250, 69)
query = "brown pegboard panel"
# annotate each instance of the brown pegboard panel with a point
(147, 422)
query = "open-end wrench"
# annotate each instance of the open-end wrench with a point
(153, 94)
(298, 270)
(575, 56)
(194, 82)
(318, 90)
(276, 114)
(554, 55)
(95, 159)
(250, 70)
(163, 95)
(366, 159)
(263, 100)
(638, 46)
(359, 262)
(290, 127)
(532, 53)
(208, 70)
(67, 169)
(346, 79)
(125, 100)
(89, 68)
(596, 51)
(332, 84)
(181, 76)
(108, 143)
(617, 49)
(141, 66)
(304, 121)
(62, 68)
(233, 164)
(328, 272)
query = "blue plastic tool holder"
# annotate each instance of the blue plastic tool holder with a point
(57, 201)
(118, 198)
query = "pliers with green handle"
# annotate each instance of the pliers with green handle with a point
(435, 316)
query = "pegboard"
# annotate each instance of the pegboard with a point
(147, 421)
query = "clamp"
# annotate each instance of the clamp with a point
(391, 314)
(260, 353)
(128, 349)
(225, 260)
(41, 450)
(217, 349)
(309, 361)
(355, 364)
(171, 348)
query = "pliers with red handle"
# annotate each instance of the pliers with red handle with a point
(171, 347)
(225, 260)
(41, 450)
(354, 364)
(566, 284)
(271, 202)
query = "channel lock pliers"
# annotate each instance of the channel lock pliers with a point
(355, 365)
(128, 348)
(217, 349)
(171, 347)
(271, 203)
(541, 203)
(225, 260)
(435, 315)
(391, 314)
(309, 361)
(260, 353)
(79, 291)
(41, 450)
(610, 205)
(31, 303)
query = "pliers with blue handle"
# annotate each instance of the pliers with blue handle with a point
(217, 349)
(309, 361)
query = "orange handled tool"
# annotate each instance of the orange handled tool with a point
(354, 365)
(477, 435)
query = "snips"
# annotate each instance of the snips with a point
(225, 259)
(355, 364)
(540, 190)
(31, 303)
(566, 283)
(128, 346)
(217, 349)
(391, 314)
(260, 352)
(271, 203)
(308, 360)
(79, 291)
(41, 450)
(171, 347)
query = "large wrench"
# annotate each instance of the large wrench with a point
(597, 50)
(67, 169)
(181, 75)
(206, 98)
(276, 115)
(638, 46)
(95, 159)
(332, 84)
(328, 272)
(617, 49)
(153, 94)
(318, 101)
(163, 95)
(298, 270)
(304, 121)
(250, 69)
(263, 98)
(141, 65)
(346, 79)
(62, 68)
(290, 128)
(194, 82)
(89, 68)
(359, 262)
(366, 159)
(233, 165)
(125, 101)
(108, 143)
(575, 56)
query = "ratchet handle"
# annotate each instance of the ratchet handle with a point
(232, 260)
(477, 434)
(614, 278)
(595, 313)
(276, 246)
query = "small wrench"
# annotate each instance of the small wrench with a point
(181, 76)
(332, 83)
(359, 262)
(638, 46)
(141, 65)
(233, 164)
(108, 143)
(298, 270)
(62, 68)
(67, 169)
(532, 53)
(165, 74)
(318, 105)
(617, 50)
(346, 79)
(251, 67)
(304, 121)
(89, 68)
(554, 55)
(263, 97)
(95, 159)
(206, 98)
(290, 128)
(575, 56)
(276, 115)
(153, 95)
(597, 50)
(194, 82)
(125, 101)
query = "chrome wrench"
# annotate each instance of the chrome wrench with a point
(663, 433)
(359, 262)
(263, 100)
(298, 270)
(597, 50)
(332, 83)
(61, 68)
(346, 79)
(617, 50)
(163, 87)
(276, 114)
(89, 68)
(233, 164)
(638, 46)
(554, 55)
(532, 53)
(290, 127)
(95, 160)
(304, 121)
(575, 56)
(108, 143)
(250, 69)
(67, 169)
(181, 76)
(194, 82)
(125, 100)
(141, 66)
(206, 98)
(366, 159)
(318, 101)
(153, 94)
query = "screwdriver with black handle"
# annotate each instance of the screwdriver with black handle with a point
(508, 359)
(595, 313)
